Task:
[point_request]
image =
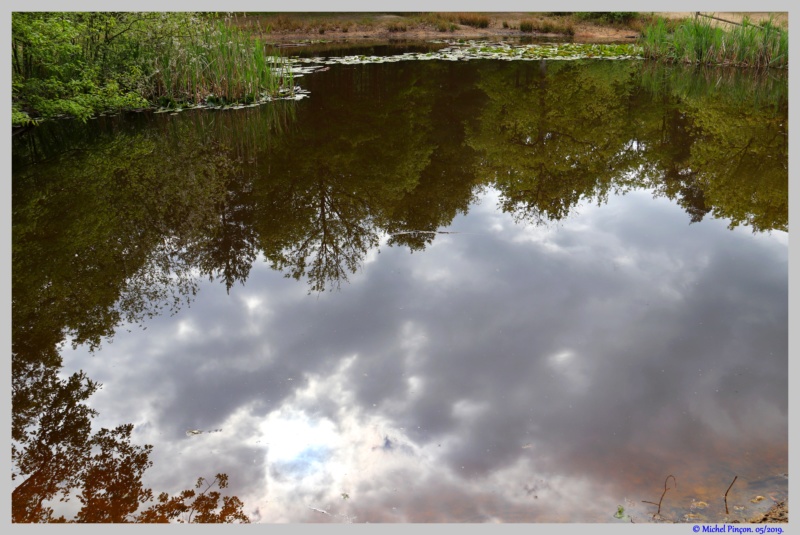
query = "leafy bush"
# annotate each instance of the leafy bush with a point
(79, 64)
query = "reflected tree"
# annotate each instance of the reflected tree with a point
(191, 506)
(50, 438)
(54, 450)
(109, 237)
(56, 456)
(365, 142)
(114, 235)
(447, 185)
(556, 133)
(722, 148)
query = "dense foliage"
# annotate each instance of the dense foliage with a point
(79, 64)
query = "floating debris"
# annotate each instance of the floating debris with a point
(319, 510)
(694, 517)
(195, 432)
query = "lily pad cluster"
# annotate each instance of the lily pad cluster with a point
(468, 50)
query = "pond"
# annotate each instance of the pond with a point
(430, 291)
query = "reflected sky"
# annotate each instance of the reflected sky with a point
(508, 372)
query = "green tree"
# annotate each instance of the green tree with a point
(75, 63)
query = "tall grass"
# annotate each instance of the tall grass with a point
(702, 42)
(222, 64)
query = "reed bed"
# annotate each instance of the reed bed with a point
(702, 42)
(222, 64)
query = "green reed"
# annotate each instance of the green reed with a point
(699, 41)
(218, 64)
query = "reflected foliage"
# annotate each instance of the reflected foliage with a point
(113, 221)
(373, 161)
(554, 135)
(50, 438)
(110, 230)
(356, 157)
(738, 159)
(191, 506)
(55, 452)
(56, 456)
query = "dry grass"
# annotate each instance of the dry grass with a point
(476, 20)
(397, 27)
(559, 25)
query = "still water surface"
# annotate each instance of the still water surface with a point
(430, 292)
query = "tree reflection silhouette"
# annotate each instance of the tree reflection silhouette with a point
(554, 137)
(58, 456)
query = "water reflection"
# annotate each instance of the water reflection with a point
(518, 370)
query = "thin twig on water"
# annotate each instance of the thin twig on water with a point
(727, 491)
(666, 488)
